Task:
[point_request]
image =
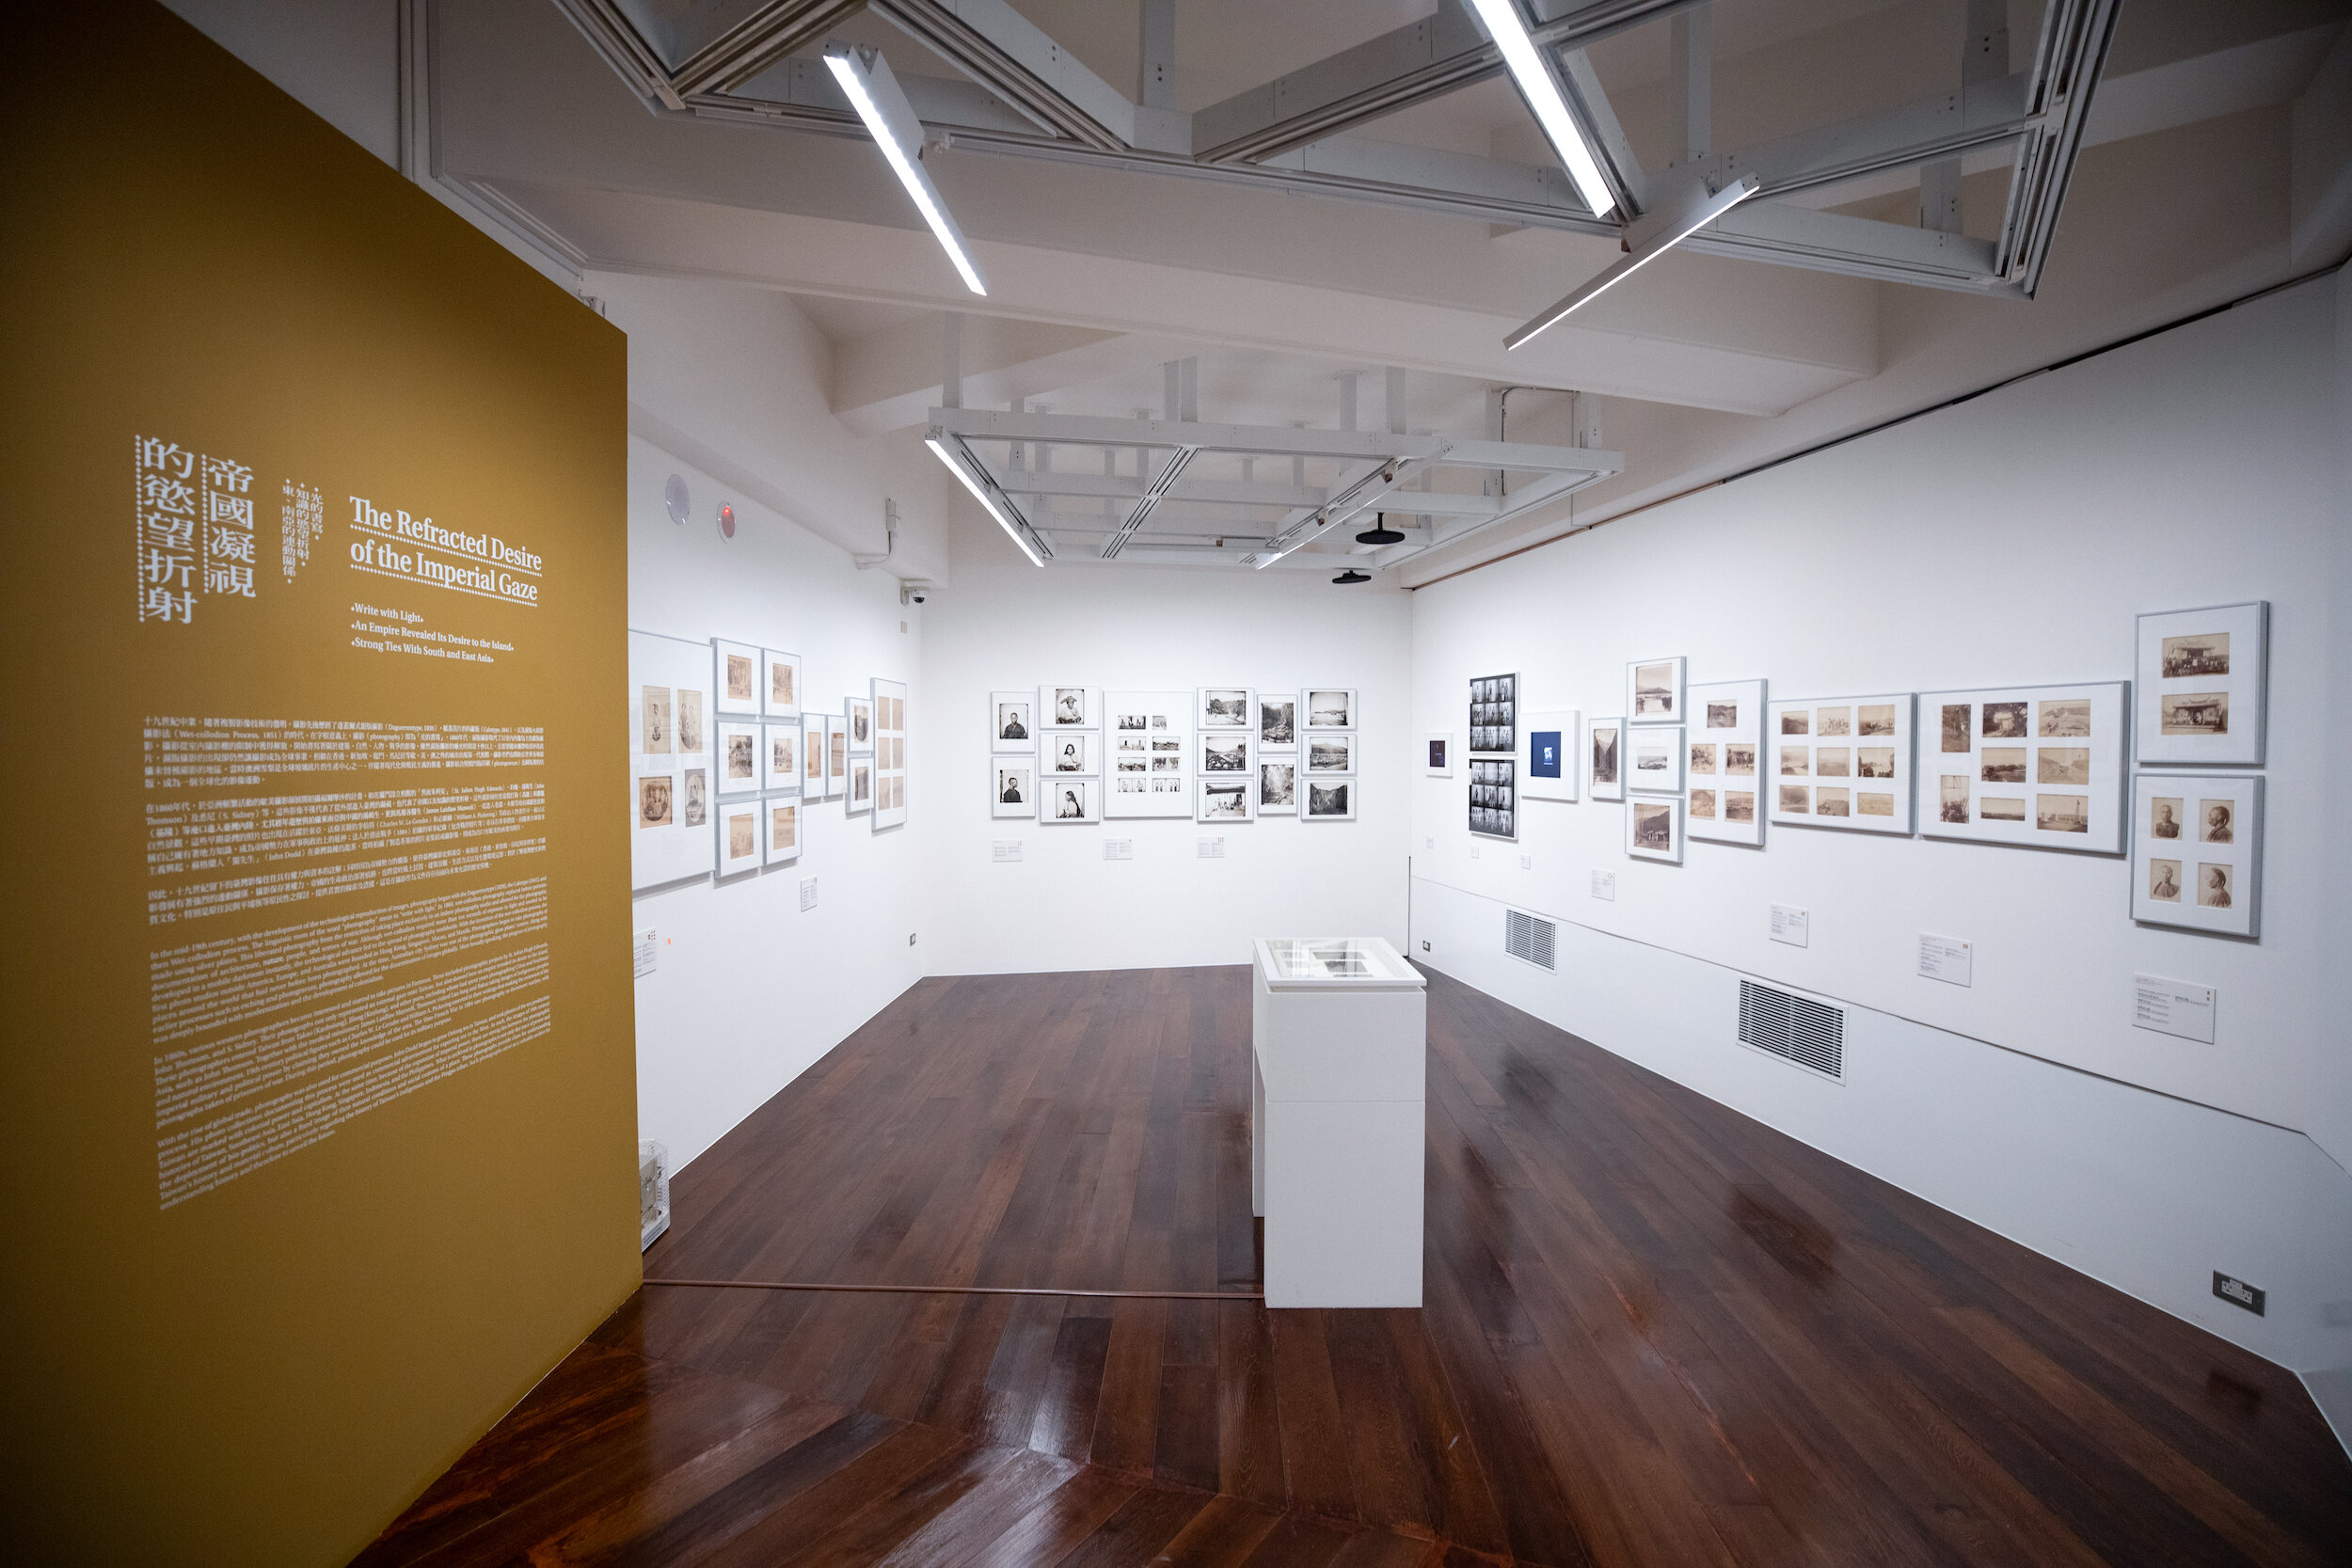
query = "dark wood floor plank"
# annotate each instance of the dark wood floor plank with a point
(975, 1521)
(1051, 1530)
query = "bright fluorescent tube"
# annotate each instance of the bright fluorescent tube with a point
(881, 103)
(1695, 218)
(1509, 32)
(939, 450)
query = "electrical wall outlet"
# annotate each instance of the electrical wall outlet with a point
(910, 938)
(2239, 1293)
(1424, 947)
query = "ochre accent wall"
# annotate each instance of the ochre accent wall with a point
(318, 1085)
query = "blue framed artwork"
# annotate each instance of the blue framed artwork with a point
(1547, 755)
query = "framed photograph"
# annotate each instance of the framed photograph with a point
(1437, 754)
(1223, 754)
(1653, 827)
(694, 797)
(861, 719)
(2196, 851)
(1841, 762)
(1012, 720)
(1723, 748)
(1225, 708)
(1331, 752)
(1146, 753)
(1068, 707)
(1604, 758)
(1328, 707)
(1278, 787)
(1074, 754)
(890, 753)
(737, 677)
(669, 690)
(1494, 801)
(655, 734)
(813, 755)
(1328, 800)
(1550, 754)
(1013, 793)
(741, 847)
(1653, 691)
(1070, 799)
(1494, 716)
(861, 789)
(779, 684)
(836, 755)
(780, 820)
(780, 757)
(1225, 798)
(657, 800)
(740, 766)
(2203, 676)
(2041, 766)
(1654, 759)
(1278, 721)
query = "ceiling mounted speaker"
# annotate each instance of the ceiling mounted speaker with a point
(1381, 533)
(726, 519)
(1352, 575)
(678, 498)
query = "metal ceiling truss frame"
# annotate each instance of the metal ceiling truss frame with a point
(1375, 466)
(1028, 97)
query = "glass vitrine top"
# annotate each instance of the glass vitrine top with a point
(1336, 959)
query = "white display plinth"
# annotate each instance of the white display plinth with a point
(1338, 1120)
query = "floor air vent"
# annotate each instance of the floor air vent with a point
(1807, 1033)
(1529, 937)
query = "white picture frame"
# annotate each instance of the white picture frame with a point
(1653, 827)
(737, 767)
(1010, 711)
(1724, 785)
(1328, 753)
(1147, 761)
(1277, 720)
(781, 684)
(2175, 875)
(1224, 754)
(1061, 708)
(1437, 754)
(1604, 757)
(1494, 715)
(1492, 806)
(741, 847)
(736, 679)
(813, 757)
(1225, 798)
(780, 758)
(669, 720)
(1016, 775)
(858, 788)
(1225, 708)
(1327, 800)
(858, 714)
(1328, 707)
(1071, 755)
(1550, 746)
(1055, 796)
(1803, 796)
(1655, 759)
(2190, 711)
(2067, 747)
(1277, 785)
(836, 755)
(890, 753)
(780, 829)
(1654, 690)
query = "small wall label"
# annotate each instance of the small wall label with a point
(1946, 959)
(1791, 925)
(1605, 886)
(2173, 1008)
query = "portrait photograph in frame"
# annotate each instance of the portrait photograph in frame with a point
(1068, 707)
(1071, 801)
(2197, 853)
(1012, 721)
(1012, 788)
(2202, 693)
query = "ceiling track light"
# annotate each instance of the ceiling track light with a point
(997, 505)
(866, 81)
(1540, 85)
(1351, 575)
(1647, 238)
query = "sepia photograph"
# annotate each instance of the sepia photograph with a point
(861, 783)
(740, 759)
(2062, 765)
(783, 764)
(1604, 754)
(836, 751)
(1277, 785)
(1125, 721)
(2164, 817)
(1833, 762)
(782, 690)
(1222, 755)
(1723, 716)
(1703, 803)
(1871, 802)
(1070, 753)
(861, 724)
(697, 798)
(2217, 822)
(654, 708)
(1739, 758)
(1739, 805)
(1951, 797)
(2214, 885)
(2194, 713)
(1013, 719)
(1332, 753)
(1331, 708)
(653, 801)
(1224, 707)
(1330, 802)
(2063, 814)
(1833, 802)
(1874, 761)
(2005, 721)
(1703, 753)
(1833, 721)
(1278, 721)
(740, 679)
(1223, 800)
(1654, 694)
(1796, 799)
(2164, 881)
(1653, 826)
(1795, 761)
(2205, 653)
(1652, 760)
(784, 827)
(1875, 718)
(1957, 736)
(742, 836)
(2064, 719)
(2001, 764)
(1797, 721)
(689, 719)
(1994, 808)
(812, 752)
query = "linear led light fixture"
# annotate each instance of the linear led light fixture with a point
(1339, 509)
(1007, 515)
(881, 103)
(1537, 84)
(1673, 230)
(1152, 495)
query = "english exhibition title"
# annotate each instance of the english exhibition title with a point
(390, 528)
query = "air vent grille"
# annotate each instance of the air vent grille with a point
(1809, 1033)
(1529, 937)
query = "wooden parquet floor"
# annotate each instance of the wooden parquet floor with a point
(1656, 1332)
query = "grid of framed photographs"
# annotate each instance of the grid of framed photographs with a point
(669, 685)
(1494, 716)
(890, 753)
(1149, 741)
(2201, 685)
(1725, 752)
(1226, 773)
(2034, 764)
(1653, 691)
(1842, 762)
(2196, 851)
(1494, 797)
(1326, 786)
(1549, 755)
(1604, 758)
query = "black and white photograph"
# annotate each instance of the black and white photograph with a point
(1224, 754)
(1068, 754)
(1951, 797)
(690, 720)
(1014, 793)
(738, 837)
(1010, 717)
(2217, 822)
(1494, 799)
(2211, 887)
(1147, 736)
(1656, 756)
(1278, 721)
(1604, 763)
(2165, 816)
(2063, 718)
(1833, 762)
(2000, 808)
(1329, 707)
(1224, 800)
(697, 806)
(1277, 785)
(2164, 881)
(1833, 802)
(1330, 753)
(2006, 721)
(1224, 707)
(1494, 715)
(2214, 884)
(2061, 813)
(1066, 707)
(1070, 800)
(2062, 765)
(1957, 730)
(1653, 691)
(2203, 676)
(1833, 721)
(1874, 761)
(1653, 830)
(1329, 801)
(2004, 764)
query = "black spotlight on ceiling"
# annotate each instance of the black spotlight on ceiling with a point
(1352, 575)
(1380, 533)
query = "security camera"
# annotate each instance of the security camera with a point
(917, 592)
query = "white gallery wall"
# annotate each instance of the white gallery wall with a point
(1002, 623)
(2006, 539)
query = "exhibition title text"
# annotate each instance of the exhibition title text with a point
(508, 571)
